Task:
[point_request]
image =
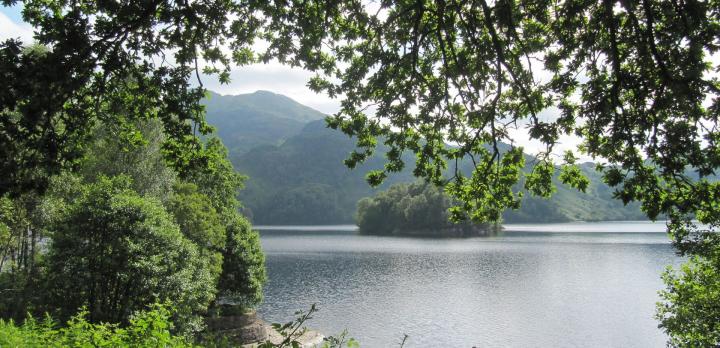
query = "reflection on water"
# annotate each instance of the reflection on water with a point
(519, 289)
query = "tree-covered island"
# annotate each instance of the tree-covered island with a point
(417, 209)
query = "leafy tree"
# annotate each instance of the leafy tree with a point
(207, 210)
(689, 310)
(111, 153)
(217, 178)
(413, 209)
(243, 270)
(25, 226)
(200, 223)
(7, 220)
(117, 252)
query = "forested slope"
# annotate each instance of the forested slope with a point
(246, 121)
(297, 176)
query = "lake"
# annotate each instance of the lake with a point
(542, 285)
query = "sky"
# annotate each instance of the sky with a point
(274, 77)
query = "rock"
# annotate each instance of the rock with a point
(248, 330)
(240, 329)
(310, 338)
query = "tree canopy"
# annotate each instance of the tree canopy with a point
(417, 209)
(633, 79)
(125, 231)
(118, 252)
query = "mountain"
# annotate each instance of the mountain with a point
(568, 204)
(304, 181)
(297, 176)
(246, 121)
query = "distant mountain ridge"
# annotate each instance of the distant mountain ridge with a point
(246, 121)
(297, 176)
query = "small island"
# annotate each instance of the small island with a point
(419, 210)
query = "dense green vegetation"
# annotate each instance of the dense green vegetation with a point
(124, 232)
(689, 303)
(418, 209)
(634, 79)
(150, 328)
(117, 252)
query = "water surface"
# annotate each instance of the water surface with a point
(550, 285)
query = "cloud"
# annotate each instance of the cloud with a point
(276, 78)
(291, 82)
(10, 29)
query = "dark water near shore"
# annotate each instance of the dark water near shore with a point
(551, 285)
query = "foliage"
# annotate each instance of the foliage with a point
(341, 340)
(217, 179)
(120, 62)
(291, 332)
(111, 154)
(413, 209)
(303, 181)
(689, 311)
(148, 328)
(190, 277)
(117, 252)
(634, 79)
(243, 270)
(200, 223)
(207, 210)
(25, 225)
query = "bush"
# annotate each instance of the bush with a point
(149, 328)
(117, 252)
(690, 311)
(243, 271)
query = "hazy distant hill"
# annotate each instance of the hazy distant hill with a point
(303, 181)
(297, 175)
(568, 204)
(262, 118)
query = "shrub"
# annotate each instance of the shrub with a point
(117, 252)
(149, 328)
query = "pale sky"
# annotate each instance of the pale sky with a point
(272, 77)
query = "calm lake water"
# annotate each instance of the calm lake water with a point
(549, 285)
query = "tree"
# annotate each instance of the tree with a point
(25, 227)
(689, 311)
(117, 252)
(619, 74)
(111, 153)
(413, 209)
(243, 271)
(633, 79)
(217, 178)
(200, 223)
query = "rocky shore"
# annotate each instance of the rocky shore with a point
(249, 330)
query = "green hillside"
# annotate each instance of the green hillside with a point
(568, 204)
(297, 176)
(246, 121)
(303, 181)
